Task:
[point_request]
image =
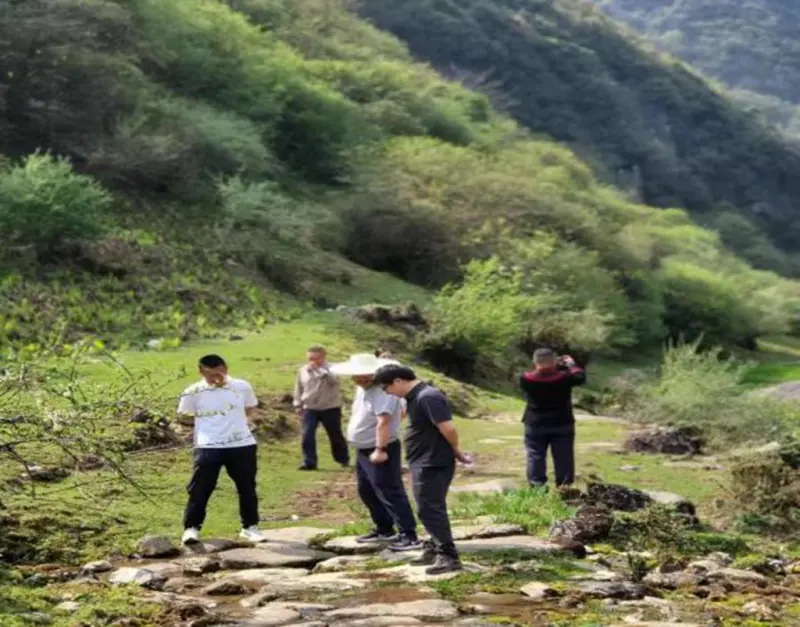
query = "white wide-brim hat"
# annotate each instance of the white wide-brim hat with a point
(362, 364)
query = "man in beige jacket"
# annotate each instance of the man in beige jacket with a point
(318, 399)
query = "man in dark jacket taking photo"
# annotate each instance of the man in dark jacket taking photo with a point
(549, 420)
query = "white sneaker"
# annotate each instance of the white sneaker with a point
(253, 534)
(191, 536)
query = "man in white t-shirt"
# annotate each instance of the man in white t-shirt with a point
(219, 406)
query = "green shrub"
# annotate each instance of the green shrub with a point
(765, 494)
(699, 388)
(44, 204)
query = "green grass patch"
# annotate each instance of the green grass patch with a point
(534, 509)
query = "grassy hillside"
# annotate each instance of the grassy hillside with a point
(650, 124)
(249, 159)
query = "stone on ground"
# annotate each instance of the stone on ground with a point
(214, 545)
(271, 555)
(381, 621)
(417, 574)
(433, 610)
(487, 487)
(224, 588)
(156, 546)
(611, 590)
(666, 440)
(258, 577)
(139, 576)
(341, 563)
(537, 591)
(294, 535)
(93, 568)
(68, 607)
(200, 565)
(471, 532)
(277, 614)
(321, 582)
(737, 575)
(523, 544)
(347, 545)
(589, 525)
(672, 500)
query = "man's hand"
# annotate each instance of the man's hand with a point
(298, 411)
(379, 457)
(464, 458)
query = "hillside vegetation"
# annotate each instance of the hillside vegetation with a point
(649, 124)
(213, 165)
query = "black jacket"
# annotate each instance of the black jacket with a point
(548, 396)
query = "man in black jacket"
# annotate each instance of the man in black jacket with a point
(549, 421)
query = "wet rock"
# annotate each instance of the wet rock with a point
(224, 588)
(198, 566)
(295, 535)
(139, 576)
(761, 611)
(432, 610)
(523, 544)
(616, 497)
(590, 524)
(611, 590)
(598, 575)
(666, 440)
(770, 567)
(259, 599)
(347, 545)
(473, 532)
(94, 568)
(674, 580)
(487, 487)
(276, 614)
(164, 569)
(537, 590)
(271, 555)
(341, 563)
(156, 546)
(68, 607)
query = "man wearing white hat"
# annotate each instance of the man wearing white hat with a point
(373, 432)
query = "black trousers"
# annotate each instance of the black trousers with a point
(241, 464)
(381, 488)
(430, 485)
(331, 420)
(561, 441)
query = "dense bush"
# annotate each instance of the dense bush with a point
(44, 204)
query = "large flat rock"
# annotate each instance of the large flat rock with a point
(472, 532)
(432, 609)
(214, 545)
(341, 563)
(271, 555)
(277, 614)
(347, 545)
(294, 535)
(382, 621)
(417, 574)
(523, 544)
(321, 582)
(258, 577)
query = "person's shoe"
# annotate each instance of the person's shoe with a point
(306, 467)
(376, 536)
(444, 564)
(190, 536)
(252, 534)
(427, 558)
(405, 543)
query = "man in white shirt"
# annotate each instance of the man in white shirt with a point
(220, 406)
(373, 432)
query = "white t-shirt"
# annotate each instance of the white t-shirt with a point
(368, 404)
(219, 413)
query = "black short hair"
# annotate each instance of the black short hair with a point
(386, 375)
(212, 361)
(544, 354)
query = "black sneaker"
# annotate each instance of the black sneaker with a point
(444, 564)
(377, 536)
(427, 558)
(405, 543)
(306, 467)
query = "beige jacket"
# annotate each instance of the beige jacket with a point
(317, 389)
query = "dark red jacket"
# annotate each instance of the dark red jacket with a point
(548, 395)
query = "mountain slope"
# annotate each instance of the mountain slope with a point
(653, 126)
(223, 164)
(751, 45)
